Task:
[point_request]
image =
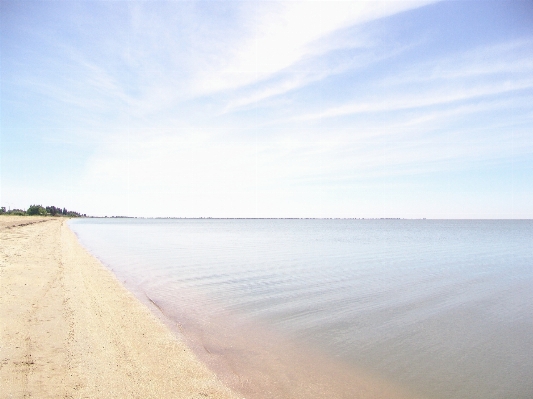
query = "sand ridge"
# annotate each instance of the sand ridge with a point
(69, 329)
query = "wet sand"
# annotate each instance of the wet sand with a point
(69, 329)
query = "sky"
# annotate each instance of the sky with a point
(393, 109)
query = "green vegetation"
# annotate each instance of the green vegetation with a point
(36, 210)
(39, 210)
(18, 212)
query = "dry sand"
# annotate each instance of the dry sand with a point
(69, 329)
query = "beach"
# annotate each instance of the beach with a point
(101, 308)
(69, 329)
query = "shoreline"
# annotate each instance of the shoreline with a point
(69, 328)
(249, 356)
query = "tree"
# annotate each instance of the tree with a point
(36, 210)
(53, 210)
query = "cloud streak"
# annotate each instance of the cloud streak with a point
(429, 99)
(284, 34)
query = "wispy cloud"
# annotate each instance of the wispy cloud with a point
(283, 34)
(307, 72)
(509, 58)
(421, 100)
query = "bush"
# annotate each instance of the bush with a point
(36, 210)
(18, 212)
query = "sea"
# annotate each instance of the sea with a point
(337, 308)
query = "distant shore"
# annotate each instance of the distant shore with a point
(68, 328)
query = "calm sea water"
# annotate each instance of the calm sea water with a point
(443, 309)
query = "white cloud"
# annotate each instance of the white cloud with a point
(201, 173)
(431, 97)
(301, 75)
(283, 34)
(511, 58)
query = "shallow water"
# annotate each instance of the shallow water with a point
(438, 309)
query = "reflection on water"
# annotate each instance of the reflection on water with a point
(442, 308)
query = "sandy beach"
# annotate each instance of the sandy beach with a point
(69, 329)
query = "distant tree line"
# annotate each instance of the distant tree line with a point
(40, 210)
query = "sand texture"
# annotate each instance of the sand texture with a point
(69, 329)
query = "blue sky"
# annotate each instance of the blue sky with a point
(268, 109)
